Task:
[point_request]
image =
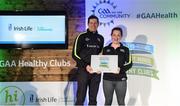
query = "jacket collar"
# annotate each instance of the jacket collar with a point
(92, 32)
(119, 43)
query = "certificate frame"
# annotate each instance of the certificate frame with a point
(104, 63)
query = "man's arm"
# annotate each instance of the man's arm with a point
(101, 46)
(76, 50)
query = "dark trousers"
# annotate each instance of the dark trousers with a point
(86, 80)
(120, 89)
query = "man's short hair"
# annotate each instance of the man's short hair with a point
(93, 17)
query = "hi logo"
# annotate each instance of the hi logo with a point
(11, 95)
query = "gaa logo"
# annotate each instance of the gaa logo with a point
(11, 95)
(104, 10)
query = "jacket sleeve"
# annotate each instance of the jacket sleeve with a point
(76, 51)
(103, 51)
(101, 46)
(128, 61)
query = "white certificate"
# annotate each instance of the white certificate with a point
(104, 63)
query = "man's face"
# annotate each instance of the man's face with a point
(93, 25)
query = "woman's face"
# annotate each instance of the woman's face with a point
(116, 36)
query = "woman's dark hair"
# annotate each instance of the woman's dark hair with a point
(93, 17)
(117, 28)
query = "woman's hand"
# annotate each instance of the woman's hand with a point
(117, 71)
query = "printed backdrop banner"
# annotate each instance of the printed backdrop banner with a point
(37, 93)
(151, 31)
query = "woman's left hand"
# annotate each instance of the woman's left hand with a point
(117, 71)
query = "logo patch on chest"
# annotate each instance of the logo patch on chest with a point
(108, 50)
(98, 39)
(122, 50)
(87, 39)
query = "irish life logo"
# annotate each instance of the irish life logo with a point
(12, 96)
(12, 27)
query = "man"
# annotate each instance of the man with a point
(87, 44)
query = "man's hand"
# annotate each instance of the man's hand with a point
(89, 69)
(98, 71)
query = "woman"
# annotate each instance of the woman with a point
(116, 81)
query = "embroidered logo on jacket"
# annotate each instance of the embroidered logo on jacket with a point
(108, 50)
(87, 39)
(92, 46)
(122, 50)
(99, 39)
